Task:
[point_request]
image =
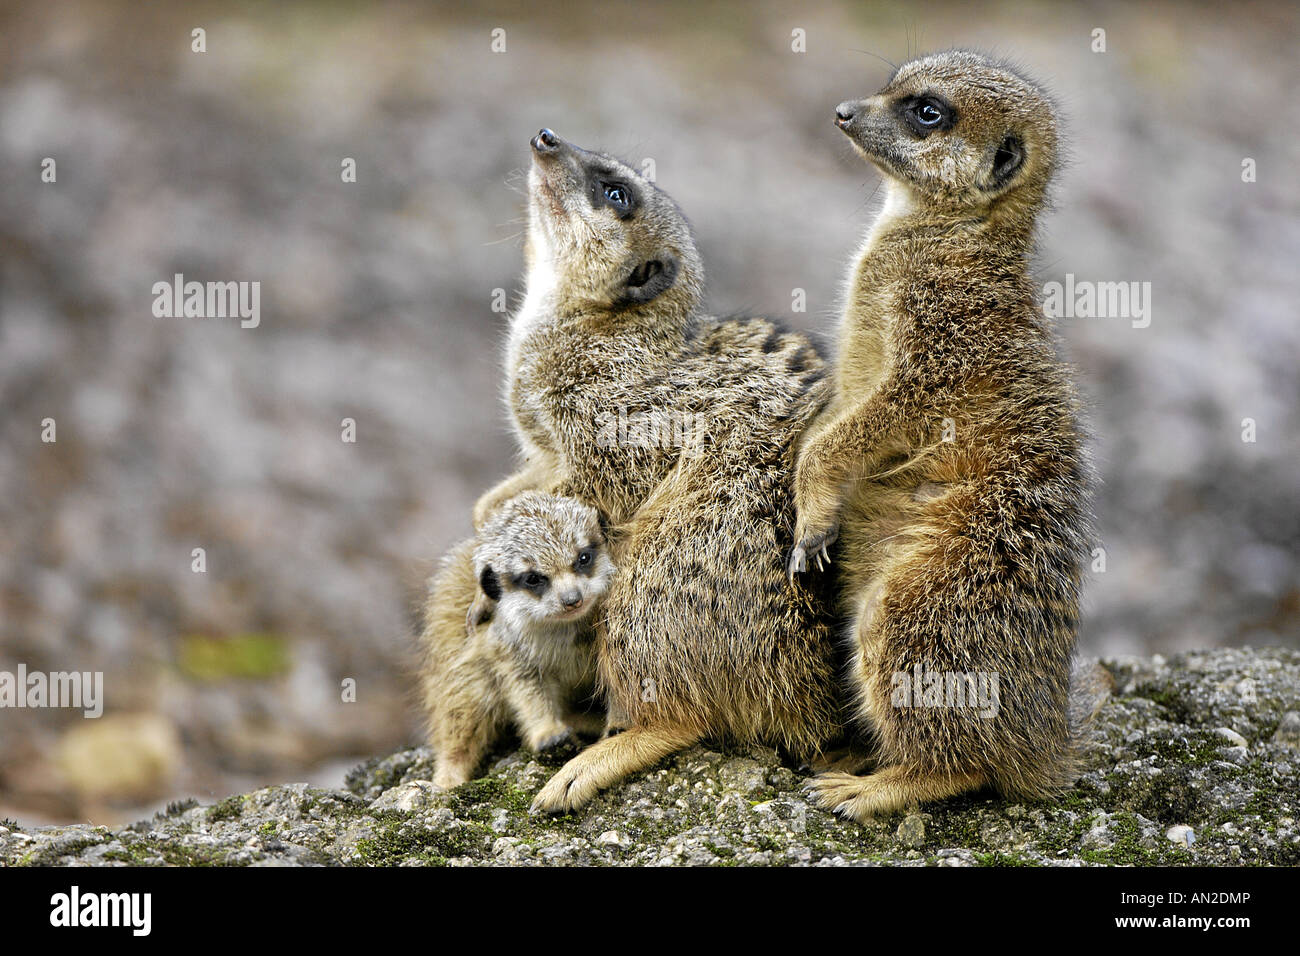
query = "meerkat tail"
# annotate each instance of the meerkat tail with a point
(608, 761)
(886, 791)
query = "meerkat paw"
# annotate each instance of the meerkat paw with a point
(886, 791)
(484, 507)
(812, 548)
(840, 793)
(572, 786)
(480, 611)
(605, 763)
(450, 776)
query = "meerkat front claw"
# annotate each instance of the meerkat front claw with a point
(813, 548)
(798, 562)
(480, 612)
(837, 792)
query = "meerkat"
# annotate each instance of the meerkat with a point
(949, 461)
(508, 633)
(702, 633)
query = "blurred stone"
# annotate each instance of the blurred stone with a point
(120, 756)
(1288, 730)
(1231, 736)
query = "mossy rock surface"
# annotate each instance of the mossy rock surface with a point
(1194, 760)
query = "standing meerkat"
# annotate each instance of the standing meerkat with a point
(538, 569)
(703, 634)
(949, 461)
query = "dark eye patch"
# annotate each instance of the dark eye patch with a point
(585, 562)
(616, 194)
(490, 584)
(531, 581)
(926, 114)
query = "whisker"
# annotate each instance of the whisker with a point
(876, 55)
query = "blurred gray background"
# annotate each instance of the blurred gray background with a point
(376, 305)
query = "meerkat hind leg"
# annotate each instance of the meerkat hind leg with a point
(886, 791)
(608, 761)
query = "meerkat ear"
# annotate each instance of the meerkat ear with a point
(487, 580)
(1009, 158)
(650, 279)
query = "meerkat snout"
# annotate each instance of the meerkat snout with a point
(846, 112)
(545, 141)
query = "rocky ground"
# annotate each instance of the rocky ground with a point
(1192, 761)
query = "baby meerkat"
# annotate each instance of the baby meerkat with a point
(514, 642)
(949, 462)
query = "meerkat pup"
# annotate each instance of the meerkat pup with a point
(512, 642)
(949, 461)
(681, 429)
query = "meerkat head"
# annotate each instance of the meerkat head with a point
(960, 131)
(603, 236)
(543, 559)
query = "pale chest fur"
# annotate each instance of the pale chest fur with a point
(561, 652)
(527, 414)
(870, 302)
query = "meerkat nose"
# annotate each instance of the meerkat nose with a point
(572, 600)
(846, 112)
(545, 141)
